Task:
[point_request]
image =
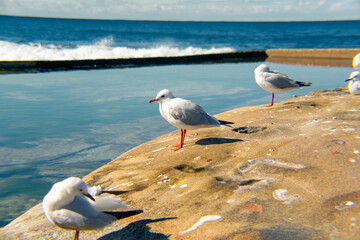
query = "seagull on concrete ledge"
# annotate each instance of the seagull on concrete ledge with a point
(275, 82)
(69, 205)
(354, 83)
(184, 114)
(356, 61)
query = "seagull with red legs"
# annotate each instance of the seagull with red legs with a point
(184, 114)
(274, 82)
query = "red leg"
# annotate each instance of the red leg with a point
(183, 138)
(76, 236)
(181, 144)
(272, 100)
(178, 146)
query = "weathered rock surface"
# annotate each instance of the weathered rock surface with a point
(290, 171)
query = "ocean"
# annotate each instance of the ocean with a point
(68, 123)
(66, 39)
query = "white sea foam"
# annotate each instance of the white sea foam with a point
(104, 49)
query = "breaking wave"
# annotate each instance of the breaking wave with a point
(104, 49)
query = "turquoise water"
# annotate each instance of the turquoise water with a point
(60, 124)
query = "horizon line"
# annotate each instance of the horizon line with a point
(105, 19)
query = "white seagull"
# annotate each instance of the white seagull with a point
(184, 114)
(356, 61)
(354, 83)
(274, 81)
(69, 205)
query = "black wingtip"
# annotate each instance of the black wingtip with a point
(225, 122)
(124, 214)
(116, 192)
(304, 83)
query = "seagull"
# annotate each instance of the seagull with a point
(356, 61)
(354, 83)
(274, 81)
(184, 114)
(69, 205)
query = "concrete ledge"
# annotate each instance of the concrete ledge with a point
(44, 66)
(341, 57)
(322, 57)
(334, 53)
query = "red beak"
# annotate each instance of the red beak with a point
(153, 100)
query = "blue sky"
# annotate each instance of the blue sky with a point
(204, 10)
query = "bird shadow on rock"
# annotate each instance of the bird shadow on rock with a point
(210, 141)
(138, 231)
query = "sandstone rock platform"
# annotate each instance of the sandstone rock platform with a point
(290, 171)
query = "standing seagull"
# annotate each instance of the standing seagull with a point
(354, 83)
(184, 114)
(69, 205)
(356, 61)
(274, 81)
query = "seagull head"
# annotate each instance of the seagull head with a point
(76, 187)
(162, 96)
(354, 76)
(262, 68)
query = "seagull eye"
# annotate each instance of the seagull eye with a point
(81, 190)
(162, 96)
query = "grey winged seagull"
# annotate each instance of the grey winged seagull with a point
(184, 114)
(354, 83)
(274, 82)
(69, 205)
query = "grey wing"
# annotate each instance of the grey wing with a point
(107, 202)
(68, 219)
(192, 114)
(81, 215)
(280, 80)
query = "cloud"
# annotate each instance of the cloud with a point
(186, 9)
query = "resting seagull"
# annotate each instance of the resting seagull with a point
(69, 205)
(184, 114)
(274, 81)
(354, 83)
